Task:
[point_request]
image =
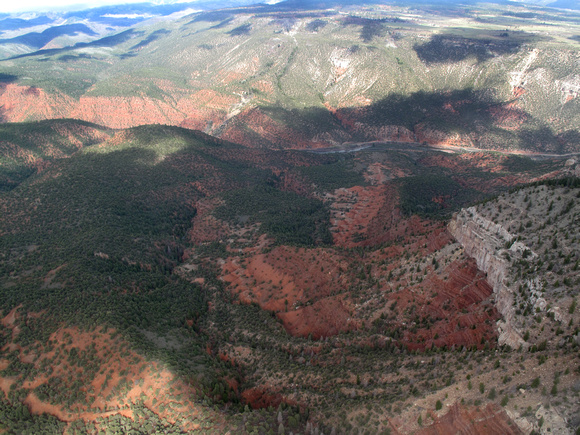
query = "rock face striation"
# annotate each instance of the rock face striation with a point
(489, 420)
(492, 246)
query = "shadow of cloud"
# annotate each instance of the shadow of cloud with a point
(72, 57)
(223, 24)
(8, 78)
(212, 17)
(470, 113)
(244, 29)
(154, 36)
(19, 23)
(108, 41)
(451, 48)
(38, 40)
(136, 215)
(26, 148)
(457, 109)
(315, 25)
(461, 117)
(285, 24)
(370, 28)
(541, 139)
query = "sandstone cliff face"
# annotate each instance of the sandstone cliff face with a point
(485, 241)
(199, 110)
(527, 243)
(21, 103)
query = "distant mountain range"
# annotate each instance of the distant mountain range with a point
(25, 32)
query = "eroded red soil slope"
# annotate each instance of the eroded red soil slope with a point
(414, 286)
(112, 375)
(490, 420)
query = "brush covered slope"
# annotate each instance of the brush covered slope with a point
(298, 76)
(158, 279)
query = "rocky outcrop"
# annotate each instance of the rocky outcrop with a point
(489, 420)
(487, 243)
(553, 422)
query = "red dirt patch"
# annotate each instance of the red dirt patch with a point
(261, 397)
(23, 103)
(452, 309)
(326, 317)
(518, 91)
(111, 375)
(10, 318)
(205, 227)
(490, 420)
(295, 275)
(370, 216)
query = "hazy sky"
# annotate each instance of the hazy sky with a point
(43, 6)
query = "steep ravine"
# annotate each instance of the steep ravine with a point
(486, 242)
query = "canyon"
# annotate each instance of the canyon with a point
(292, 218)
(265, 76)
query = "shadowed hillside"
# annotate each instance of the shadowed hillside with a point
(28, 148)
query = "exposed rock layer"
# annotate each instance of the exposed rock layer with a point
(489, 420)
(484, 240)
